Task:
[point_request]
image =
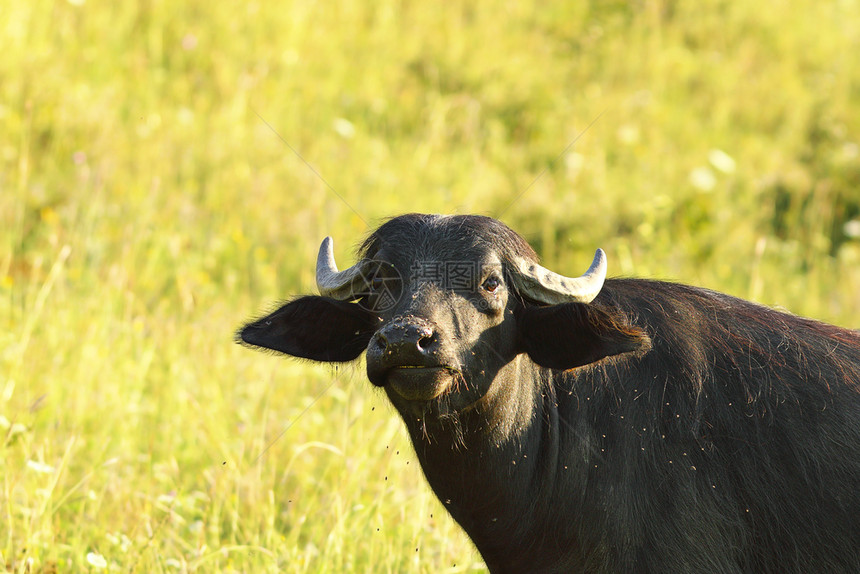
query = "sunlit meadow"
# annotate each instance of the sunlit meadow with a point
(167, 170)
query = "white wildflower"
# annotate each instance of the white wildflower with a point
(703, 179)
(344, 128)
(96, 560)
(40, 467)
(722, 161)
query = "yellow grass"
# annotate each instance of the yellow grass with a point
(168, 169)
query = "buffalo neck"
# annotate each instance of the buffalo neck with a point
(498, 479)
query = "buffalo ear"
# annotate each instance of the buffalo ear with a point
(571, 335)
(316, 328)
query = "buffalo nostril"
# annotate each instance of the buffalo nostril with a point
(381, 342)
(403, 339)
(425, 342)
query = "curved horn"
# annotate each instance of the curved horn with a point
(545, 286)
(331, 282)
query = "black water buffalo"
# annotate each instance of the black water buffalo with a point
(583, 425)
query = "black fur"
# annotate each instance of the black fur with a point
(690, 432)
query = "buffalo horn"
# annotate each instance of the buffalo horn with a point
(545, 286)
(331, 282)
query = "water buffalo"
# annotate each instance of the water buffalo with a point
(591, 425)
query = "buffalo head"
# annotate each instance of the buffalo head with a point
(445, 307)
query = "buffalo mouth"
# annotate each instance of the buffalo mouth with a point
(420, 383)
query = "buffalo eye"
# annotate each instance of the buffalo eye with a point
(376, 283)
(491, 284)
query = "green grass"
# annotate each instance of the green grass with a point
(151, 201)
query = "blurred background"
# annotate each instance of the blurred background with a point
(168, 169)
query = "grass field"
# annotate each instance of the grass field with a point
(167, 170)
